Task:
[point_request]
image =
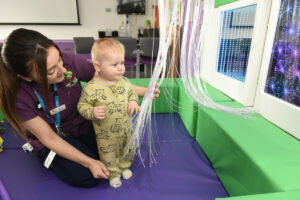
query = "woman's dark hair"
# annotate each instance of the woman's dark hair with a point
(23, 52)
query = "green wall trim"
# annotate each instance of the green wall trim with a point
(219, 3)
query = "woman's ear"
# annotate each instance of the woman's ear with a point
(24, 78)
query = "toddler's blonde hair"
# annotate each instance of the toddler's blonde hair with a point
(106, 45)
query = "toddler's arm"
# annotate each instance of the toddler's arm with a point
(85, 105)
(86, 108)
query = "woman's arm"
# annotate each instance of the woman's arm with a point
(38, 127)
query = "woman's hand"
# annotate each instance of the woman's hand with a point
(98, 169)
(99, 112)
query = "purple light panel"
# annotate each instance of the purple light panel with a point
(283, 79)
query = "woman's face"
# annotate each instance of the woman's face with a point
(55, 68)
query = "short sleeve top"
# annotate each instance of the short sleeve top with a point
(72, 123)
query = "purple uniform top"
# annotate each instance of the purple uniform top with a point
(72, 123)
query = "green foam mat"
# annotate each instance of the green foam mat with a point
(250, 156)
(290, 195)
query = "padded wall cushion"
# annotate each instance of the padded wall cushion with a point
(250, 156)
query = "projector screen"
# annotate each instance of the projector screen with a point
(53, 12)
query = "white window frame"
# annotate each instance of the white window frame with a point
(280, 112)
(243, 92)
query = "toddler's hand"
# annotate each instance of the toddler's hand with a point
(133, 106)
(99, 112)
(156, 91)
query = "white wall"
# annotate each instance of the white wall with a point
(93, 17)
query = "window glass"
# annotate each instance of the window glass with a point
(235, 38)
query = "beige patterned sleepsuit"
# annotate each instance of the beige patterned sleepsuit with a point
(113, 132)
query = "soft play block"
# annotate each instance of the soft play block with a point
(290, 195)
(215, 94)
(188, 108)
(250, 156)
(167, 101)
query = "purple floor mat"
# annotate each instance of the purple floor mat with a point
(11, 141)
(3, 193)
(182, 172)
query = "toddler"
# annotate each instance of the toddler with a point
(109, 101)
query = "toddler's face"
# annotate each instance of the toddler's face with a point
(112, 67)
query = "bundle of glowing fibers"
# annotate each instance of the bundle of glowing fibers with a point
(190, 60)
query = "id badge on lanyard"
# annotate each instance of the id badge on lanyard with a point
(52, 154)
(56, 111)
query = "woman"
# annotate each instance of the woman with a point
(41, 105)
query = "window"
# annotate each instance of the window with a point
(237, 34)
